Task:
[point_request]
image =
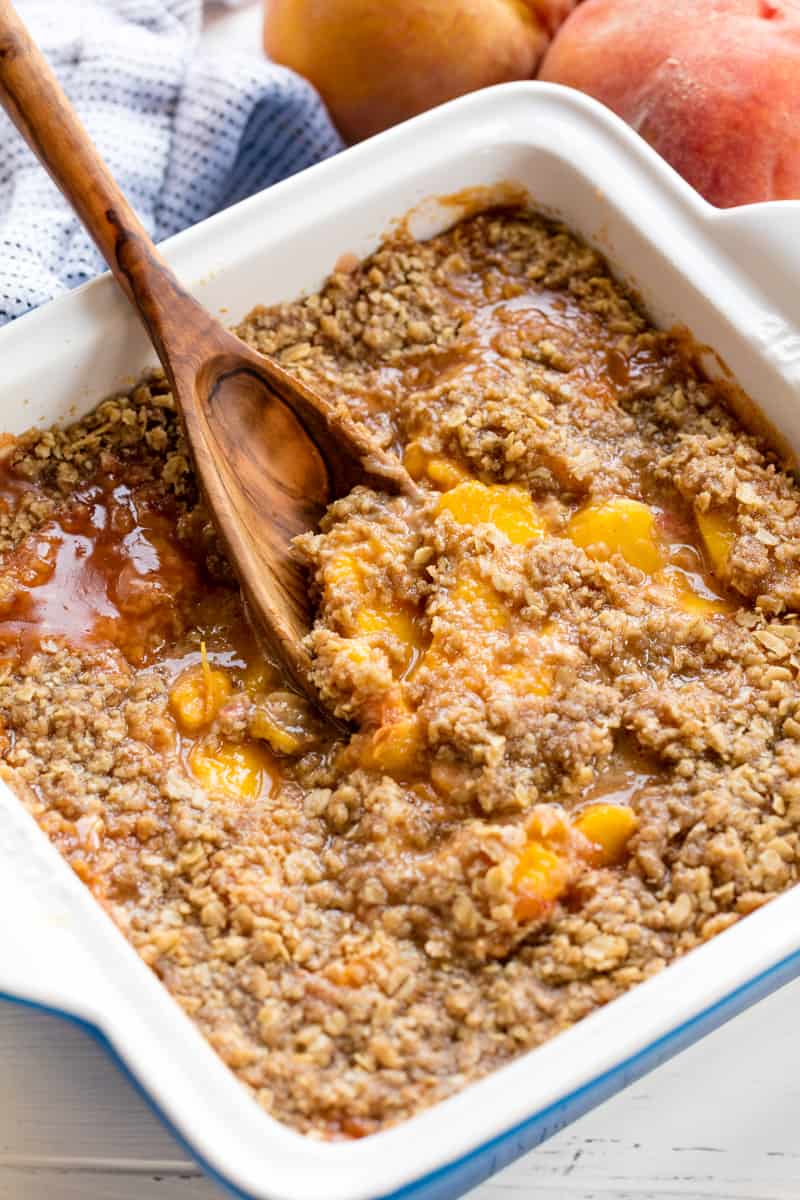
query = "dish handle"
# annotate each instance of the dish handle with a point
(763, 241)
(42, 958)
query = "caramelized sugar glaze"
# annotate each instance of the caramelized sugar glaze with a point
(568, 673)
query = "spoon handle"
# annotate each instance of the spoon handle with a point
(35, 102)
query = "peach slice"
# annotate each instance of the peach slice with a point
(718, 533)
(619, 526)
(609, 827)
(509, 508)
(540, 877)
(442, 472)
(241, 770)
(197, 696)
(373, 617)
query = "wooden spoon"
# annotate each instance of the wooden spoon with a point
(270, 455)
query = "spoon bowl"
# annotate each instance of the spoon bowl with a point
(271, 456)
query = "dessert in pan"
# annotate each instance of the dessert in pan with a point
(564, 676)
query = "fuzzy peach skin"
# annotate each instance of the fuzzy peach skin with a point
(377, 62)
(713, 86)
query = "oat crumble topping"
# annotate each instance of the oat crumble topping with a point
(571, 676)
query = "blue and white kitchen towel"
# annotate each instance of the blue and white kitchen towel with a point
(184, 131)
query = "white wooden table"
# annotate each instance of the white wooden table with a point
(720, 1121)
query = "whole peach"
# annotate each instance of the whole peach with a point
(376, 62)
(713, 86)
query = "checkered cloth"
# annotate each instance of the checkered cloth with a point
(185, 133)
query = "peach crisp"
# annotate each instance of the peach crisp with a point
(558, 738)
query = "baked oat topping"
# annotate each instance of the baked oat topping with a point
(570, 675)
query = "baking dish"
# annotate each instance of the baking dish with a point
(729, 277)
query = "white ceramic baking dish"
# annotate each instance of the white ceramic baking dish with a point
(731, 277)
